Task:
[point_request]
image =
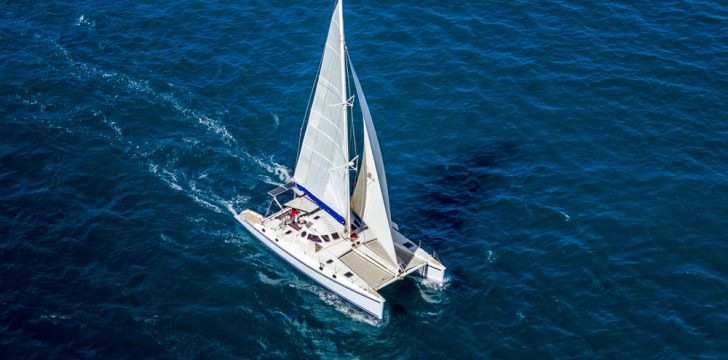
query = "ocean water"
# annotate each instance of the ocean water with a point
(567, 160)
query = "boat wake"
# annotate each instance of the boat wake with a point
(433, 292)
(281, 172)
(433, 285)
(268, 280)
(212, 125)
(174, 161)
(340, 305)
(86, 72)
(202, 193)
(204, 198)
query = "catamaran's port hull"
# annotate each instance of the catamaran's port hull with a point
(366, 302)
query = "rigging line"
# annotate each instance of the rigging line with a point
(363, 200)
(351, 113)
(347, 166)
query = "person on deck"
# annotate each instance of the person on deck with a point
(294, 215)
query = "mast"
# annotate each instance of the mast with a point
(344, 108)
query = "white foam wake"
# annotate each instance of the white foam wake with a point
(280, 171)
(84, 71)
(206, 197)
(84, 21)
(340, 305)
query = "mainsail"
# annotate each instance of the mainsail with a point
(371, 198)
(322, 170)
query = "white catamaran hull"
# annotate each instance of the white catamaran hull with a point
(366, 302)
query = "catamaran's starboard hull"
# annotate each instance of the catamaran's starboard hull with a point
(371, 305)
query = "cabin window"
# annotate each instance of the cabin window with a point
(316, 217)
(348, 274)
(329, 261)
(335, 236)
(288, 232)
(325, 237)
(303, 234)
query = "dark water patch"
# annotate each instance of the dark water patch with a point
(455, 189)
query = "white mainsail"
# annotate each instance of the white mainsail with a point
(322, 170)
(371, 198)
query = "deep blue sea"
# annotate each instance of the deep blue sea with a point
(567, 160)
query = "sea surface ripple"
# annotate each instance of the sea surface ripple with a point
(565, 159)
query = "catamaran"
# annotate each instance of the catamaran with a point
(345, 241)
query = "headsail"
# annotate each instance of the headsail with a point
(322, 166)
(371, 198)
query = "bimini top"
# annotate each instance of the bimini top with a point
(302, 203)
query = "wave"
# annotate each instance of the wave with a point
(279, 170)
(340, 305)
(213, 125)
(268, 280)
(280, 173)
(432, 292)
(110, 123)
(86, 71)
(492, 257)
(84, 21)
(204, 197)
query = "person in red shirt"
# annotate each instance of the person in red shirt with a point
(294, 215)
